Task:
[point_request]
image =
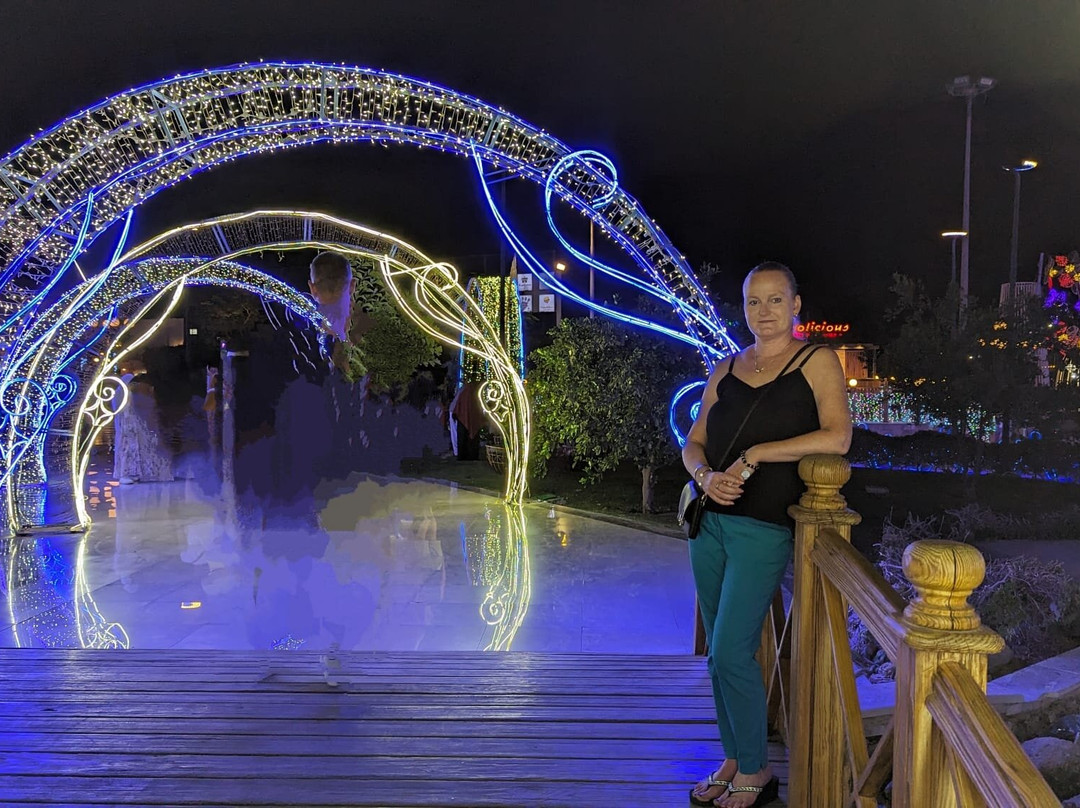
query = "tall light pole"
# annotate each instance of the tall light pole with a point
(964, 87)
(560, 267)
(953, 236)
(1018, 173)
(592, 280)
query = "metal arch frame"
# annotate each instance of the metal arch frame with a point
(123, 150)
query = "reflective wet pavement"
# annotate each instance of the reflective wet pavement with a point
(378, 564)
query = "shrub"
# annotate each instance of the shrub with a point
(1034, 605)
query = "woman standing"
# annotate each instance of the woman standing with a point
(763, 410)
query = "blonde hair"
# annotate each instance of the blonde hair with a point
(776, 266)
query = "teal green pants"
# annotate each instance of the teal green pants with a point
(738, 563)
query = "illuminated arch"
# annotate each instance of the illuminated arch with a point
(111, 157)
(68, 185)
(427, 292)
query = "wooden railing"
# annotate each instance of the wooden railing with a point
(946, 747)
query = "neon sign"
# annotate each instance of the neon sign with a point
(822, 329)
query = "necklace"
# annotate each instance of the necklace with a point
(759, 367)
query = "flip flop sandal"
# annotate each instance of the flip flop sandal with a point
(765, 794)
(710, 782)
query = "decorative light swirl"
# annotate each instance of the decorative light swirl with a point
(674, 416)
(107, 396)
(26, 408)
(495, 400)
(693, 317)
(603, 172)
(431, 297)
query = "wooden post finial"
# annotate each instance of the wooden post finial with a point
(824, 475)
(944, 574)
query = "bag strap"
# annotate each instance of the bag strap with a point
(813, 350)
(806, 349)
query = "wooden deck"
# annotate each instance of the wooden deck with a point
(179, 728)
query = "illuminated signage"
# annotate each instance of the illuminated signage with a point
(822, 329)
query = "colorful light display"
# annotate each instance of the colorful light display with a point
(66, 186)
(132, 145)
(1063, 301)
(428, 294)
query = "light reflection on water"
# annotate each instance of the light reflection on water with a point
(380, 564)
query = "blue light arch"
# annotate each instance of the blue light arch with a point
(114, 155)
(68, 185)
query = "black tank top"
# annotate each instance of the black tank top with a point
(787, 410)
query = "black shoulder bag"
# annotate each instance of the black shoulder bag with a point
(692, 498)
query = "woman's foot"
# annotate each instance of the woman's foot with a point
(749, 799)
(715, 785)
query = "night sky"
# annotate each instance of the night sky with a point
(818, 133)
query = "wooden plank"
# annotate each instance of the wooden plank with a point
(979, 739)
(469, 711)
(350, 746)
(878, 770)
(324, 696)
(455, 764)
(262, 728)
(420, 790)
(703, 731)
(876, 603)
(848, 697)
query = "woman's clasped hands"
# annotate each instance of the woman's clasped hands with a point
(722, 487)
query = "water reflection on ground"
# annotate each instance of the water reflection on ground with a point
(376, 564)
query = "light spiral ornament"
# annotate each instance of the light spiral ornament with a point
(494, 608)
(105, 399)
(495, 400)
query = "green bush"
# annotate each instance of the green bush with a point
(1034, 605)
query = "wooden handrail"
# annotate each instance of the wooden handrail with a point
(947, 746)
(877, 603)
(983, 745)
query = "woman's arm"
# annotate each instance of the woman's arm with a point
(719, 486)
(825, 375)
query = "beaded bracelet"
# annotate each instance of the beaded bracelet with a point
(746, 462)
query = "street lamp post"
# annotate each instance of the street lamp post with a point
(964, 87)
(1018, 173)
(592, 280)
(953, 236)
(560, 267)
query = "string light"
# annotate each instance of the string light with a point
(115, 155)
(485, 291)
(428, 293)
(111, 157)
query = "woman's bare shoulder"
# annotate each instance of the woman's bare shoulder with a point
(822, 363)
